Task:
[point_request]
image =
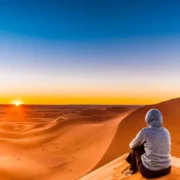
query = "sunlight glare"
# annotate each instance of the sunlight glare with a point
(17, 102)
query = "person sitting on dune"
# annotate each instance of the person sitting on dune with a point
(151, 148)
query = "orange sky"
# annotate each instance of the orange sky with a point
(128, 93)
(85, 100)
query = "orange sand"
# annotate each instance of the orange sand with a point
(63, 148)
(78, 142)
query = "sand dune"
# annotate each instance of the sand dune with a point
(77, 141)
(37, 148)
(131, 124)
(127, 129)
(89, 143)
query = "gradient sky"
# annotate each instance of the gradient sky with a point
(97, 52)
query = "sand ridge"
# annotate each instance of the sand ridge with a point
(131, 124)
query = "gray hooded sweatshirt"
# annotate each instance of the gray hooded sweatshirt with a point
(156, 140)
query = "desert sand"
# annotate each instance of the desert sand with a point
(44, 143)
(77, 142)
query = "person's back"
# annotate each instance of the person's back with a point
(157, 148)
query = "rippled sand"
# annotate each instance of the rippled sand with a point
(53, 142)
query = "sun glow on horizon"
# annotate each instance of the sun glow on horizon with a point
(17, 102)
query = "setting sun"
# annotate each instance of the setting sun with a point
(17, 102)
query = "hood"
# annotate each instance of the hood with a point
(154, 118)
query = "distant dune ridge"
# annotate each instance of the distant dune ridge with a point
(86, 143)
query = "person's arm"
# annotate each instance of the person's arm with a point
(137, 141)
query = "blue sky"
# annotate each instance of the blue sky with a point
(109, 49)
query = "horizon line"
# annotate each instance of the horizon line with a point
(74, 104)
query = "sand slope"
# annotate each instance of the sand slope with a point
(84, 147)
(114, 171)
